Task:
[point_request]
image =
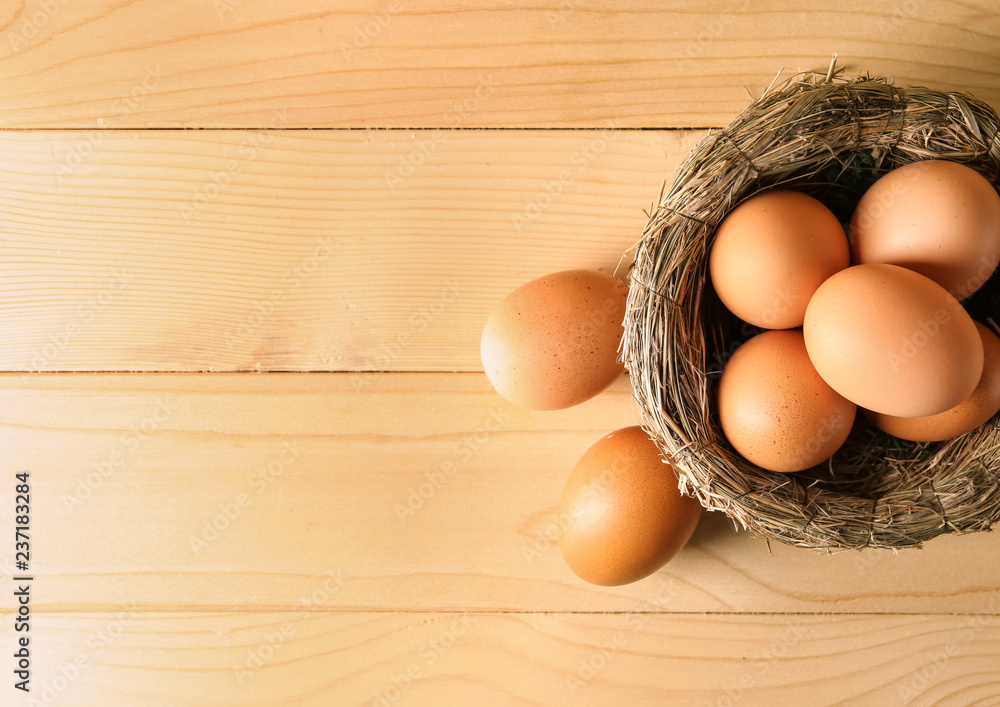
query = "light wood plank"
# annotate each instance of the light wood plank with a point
(300, 250)
(310, 657)
(239, 492)
(251, 63)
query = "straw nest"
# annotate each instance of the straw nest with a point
(830, 137)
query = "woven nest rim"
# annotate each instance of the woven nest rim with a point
(816, 133)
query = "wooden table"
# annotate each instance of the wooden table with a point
(248, 249)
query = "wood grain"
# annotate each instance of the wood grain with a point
(300, 250)
(349, 188)
(314, 657)
(239, 492)
(386, 63)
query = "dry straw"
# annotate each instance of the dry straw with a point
(831, 137)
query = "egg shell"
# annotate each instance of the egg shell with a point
(968, 415)
(553, 342)
(770, 254)
(622, 516)
(938, 218)
(776, 410)
(893, 341)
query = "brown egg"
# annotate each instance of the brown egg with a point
(771, 253)
(622, 516)
(893, 341)
(553, 342)
(939, 218)
(970, 414)
(775, 409)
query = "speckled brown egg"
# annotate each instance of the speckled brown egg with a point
(776, 410)
(553, 342)
(771, 253)
(622, 516)
(939, 218)
(971, 413)
(893, 341)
